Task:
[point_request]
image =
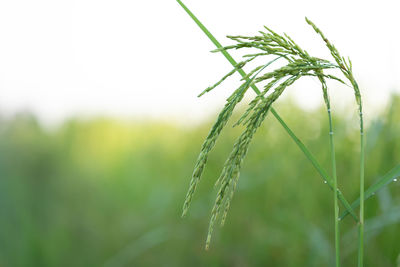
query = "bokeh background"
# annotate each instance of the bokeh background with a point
(100, 128)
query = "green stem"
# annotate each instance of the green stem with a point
(302, 147)
(361, 223)
(335, 198)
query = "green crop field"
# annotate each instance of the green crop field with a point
(103, 192)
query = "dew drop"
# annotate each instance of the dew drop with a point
(395, 179)
(325, 182)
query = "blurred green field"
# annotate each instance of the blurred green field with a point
(109, 193)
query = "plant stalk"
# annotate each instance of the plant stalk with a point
(361, 223)
(302, 147)
(335, 198)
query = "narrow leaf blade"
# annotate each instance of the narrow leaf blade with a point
(383, 181)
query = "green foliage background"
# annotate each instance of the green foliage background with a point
(109, 193)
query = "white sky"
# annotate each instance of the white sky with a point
(148, 59)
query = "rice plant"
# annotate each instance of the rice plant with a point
(298, 63)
